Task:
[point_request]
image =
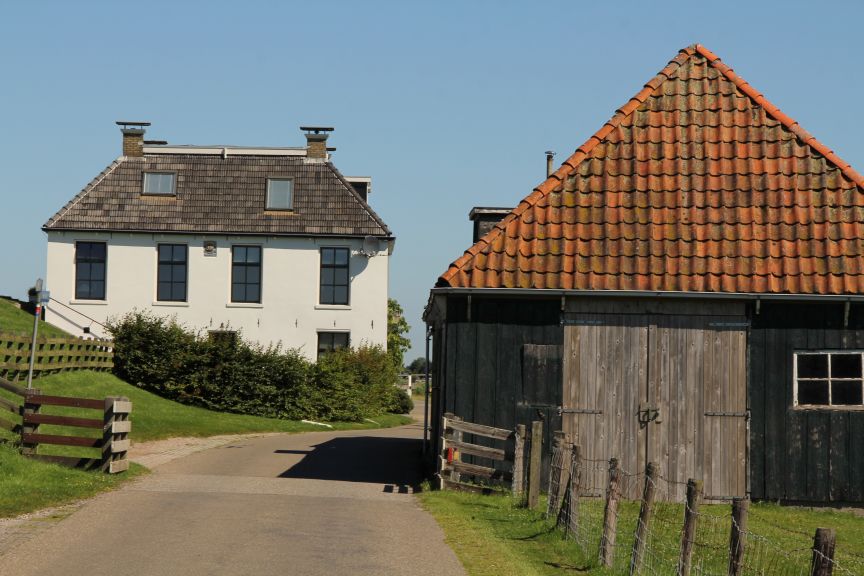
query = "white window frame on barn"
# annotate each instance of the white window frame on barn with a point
(828, 379)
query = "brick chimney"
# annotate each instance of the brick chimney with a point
(316, 141)
(133, 137)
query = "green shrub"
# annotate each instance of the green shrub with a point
(400, 401)
(232, 375)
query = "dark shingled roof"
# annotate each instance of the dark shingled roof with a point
(220, 195)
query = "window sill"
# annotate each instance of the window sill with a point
(89, 302)
(332, 307)
(175, 304)
(244, 305)
(828, 408)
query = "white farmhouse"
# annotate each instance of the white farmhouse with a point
(272, 242)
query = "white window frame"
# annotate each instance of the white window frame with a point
(173, 175)
(828, 379)
(268, 204)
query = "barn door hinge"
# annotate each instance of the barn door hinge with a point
(647, 414)
(562, 410)
(745, 414)
(580, 322)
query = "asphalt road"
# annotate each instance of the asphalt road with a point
(306, 504)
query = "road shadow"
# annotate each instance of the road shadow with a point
(370, 459)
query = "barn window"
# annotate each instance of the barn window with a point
(829, 379)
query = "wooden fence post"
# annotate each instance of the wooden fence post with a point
(535, 464)
(115, 434)
(519, 461)
(574, 488)
(823, 552)
(610, 516)
(737, 538)
(456, 436)
(691, 518)
(29, 447)
(557, 475)
(642, 526)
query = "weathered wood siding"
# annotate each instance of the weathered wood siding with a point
(802, 455)
(495, 363)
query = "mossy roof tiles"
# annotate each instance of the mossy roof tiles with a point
(697, 184)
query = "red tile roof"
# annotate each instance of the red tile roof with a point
(697, 184)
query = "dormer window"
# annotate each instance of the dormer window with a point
(159, 183)
(280, 194)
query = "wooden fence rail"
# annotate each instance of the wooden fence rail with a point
(114, 424)
(453, 447)
(53, 355)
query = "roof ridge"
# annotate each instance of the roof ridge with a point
(86, 190)
(365, 205)
(778, 115)
(572, 161)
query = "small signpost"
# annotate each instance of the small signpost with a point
(39, 297)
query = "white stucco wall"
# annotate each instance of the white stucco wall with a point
(289, 311)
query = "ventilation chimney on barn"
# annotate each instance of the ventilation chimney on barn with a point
(133, 137)
(485, 218)
(316, 141)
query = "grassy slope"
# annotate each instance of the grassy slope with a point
(27, 485)
(493, 536)
(16, 321)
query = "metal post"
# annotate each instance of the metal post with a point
(33, 346)
(426, 394)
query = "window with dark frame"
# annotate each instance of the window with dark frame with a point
(334, 276)
(172, 273)
(159, 183)
(330, 341)
(829, 379)
(90, 270)
(280, 194)
(246, 274)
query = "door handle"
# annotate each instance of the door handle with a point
(648, 414)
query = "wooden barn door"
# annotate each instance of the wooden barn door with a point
(664, 388)
(605, 375)
(695, 410)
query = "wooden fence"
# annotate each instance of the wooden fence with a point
(453, 447)
(28, 416)
(53, 355)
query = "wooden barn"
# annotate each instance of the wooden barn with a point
(687, 289)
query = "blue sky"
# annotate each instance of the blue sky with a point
(447, 105)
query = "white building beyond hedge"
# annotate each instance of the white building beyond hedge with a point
(273, 242)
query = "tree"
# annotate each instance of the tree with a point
(397, 327)
(417, 366)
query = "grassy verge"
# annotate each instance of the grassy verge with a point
(154, 417)
(13, 320)
(493, 535)
(27, 485)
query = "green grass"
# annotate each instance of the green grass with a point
(493, 535)
(13, 320)
(154, 417)
(27, 485)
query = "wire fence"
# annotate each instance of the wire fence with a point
(592, 502)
